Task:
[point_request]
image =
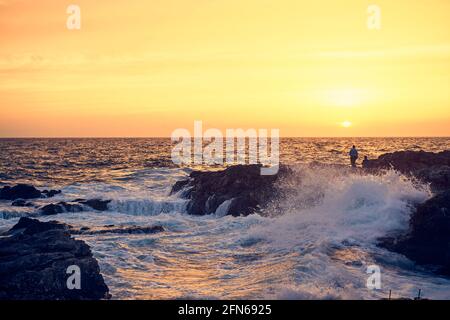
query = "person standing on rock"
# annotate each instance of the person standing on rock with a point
(353, 156)
(365, 162)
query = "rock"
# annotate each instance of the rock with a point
(179, 185)
(25, 191)
(437, 176)
(21, 203)
(119, 230)
(96, 204)
(428, 241)
(34, 257)
(74, 206)
(433, 168)
(60, 207)
(243, 186)
(30, 226)
(20, 191)
(409, 161)
(51, 193)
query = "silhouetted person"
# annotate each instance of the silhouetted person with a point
(365, 162)
(353, 156)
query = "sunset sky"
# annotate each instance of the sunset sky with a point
(148, 67)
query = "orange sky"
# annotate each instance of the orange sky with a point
(145, 68)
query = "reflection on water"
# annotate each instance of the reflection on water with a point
(64, 161)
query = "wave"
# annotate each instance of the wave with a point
(147, 206)
(331, 203)
(332, 219)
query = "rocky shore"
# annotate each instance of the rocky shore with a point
(241, 190)
(34, 261)
(237, 190)
(429, 167)
(428, 240)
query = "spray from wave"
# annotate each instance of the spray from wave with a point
(331, 218)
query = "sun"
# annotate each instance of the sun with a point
(346, 124)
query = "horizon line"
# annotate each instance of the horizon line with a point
(168, 137)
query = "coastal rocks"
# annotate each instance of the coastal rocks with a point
(119, 230)
(25, 191)
(433, 168)
(60, 207)
(237, 190)
(50, 193)
(75, 206)
(20, 191)
(96, 204)
(34, 258)
(428, 241)
(21, 203)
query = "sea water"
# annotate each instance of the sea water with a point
(317, 242)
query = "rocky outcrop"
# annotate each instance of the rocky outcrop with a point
(118, 230)
(25, 191)
(60, 207)
(428, 241)
(433, 168)
(78, 205)
(96, 204)
(21, 203)
(34, 259)
(237, 190)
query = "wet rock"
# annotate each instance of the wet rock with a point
(119, 230)
(60, 207)
(243, 186)
(34, 257)
(25, 192)
(433, 168)
(96, 204)
(21, 203)
(51, 193)
(20, 191)
(428, 240)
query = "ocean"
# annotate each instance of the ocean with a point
(317, 244)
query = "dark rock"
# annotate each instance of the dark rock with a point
(60, 207)
(428, 241)
(20, 191)
(179, 185)
(119, 230)
(74, 206)
(433, 168)
(34, 257)
(96, 204)
(51, 193)
(243, 185)
(25, 191)
(29, 226)
(21, 203)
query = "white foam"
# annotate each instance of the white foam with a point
(223, 208)
(147, 206)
